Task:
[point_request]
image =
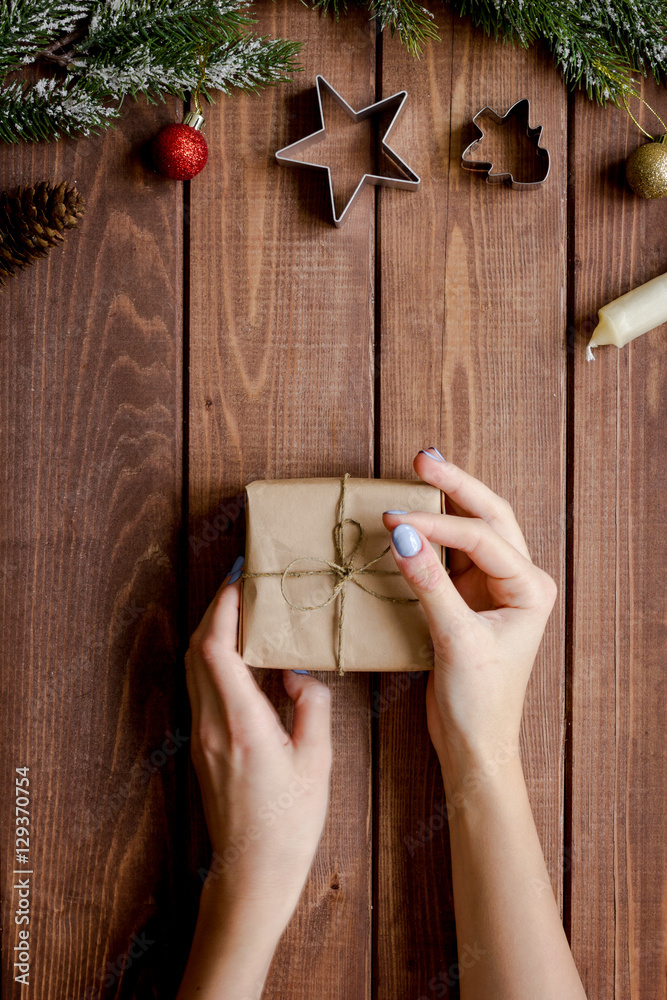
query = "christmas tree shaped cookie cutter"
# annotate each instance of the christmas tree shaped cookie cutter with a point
(410, 182)
(521, 111)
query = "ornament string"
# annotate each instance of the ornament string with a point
(342, 567)
(628, 91)
(203, 59)
(624, 98)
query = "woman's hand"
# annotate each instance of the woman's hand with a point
(486, 621)
(265, 795)
(486, 618)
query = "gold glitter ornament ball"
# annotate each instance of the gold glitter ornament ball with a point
(646, 170)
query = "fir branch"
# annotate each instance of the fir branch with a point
(597, 45)
(337, 7)
(122, 30)
(638, 31)
(48, 110)
(111, 48)
(412, 22)
(27, 26)
(141, 47)
(249, 62)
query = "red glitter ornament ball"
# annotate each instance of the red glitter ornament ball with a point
(180, 151)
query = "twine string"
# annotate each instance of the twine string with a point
(341, 567)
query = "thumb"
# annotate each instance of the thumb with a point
(445, 609)
(311, 723)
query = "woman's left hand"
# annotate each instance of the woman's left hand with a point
(265, 792)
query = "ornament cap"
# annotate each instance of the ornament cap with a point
(661, 138)
(194, 119)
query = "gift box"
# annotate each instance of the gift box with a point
(321, 590)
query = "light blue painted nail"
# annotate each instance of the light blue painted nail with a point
(406, 540)
(236, 570)
(436, 458)
(395, 511)
(300, 672)
(432, 447)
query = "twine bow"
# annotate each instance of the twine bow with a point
(342, 567)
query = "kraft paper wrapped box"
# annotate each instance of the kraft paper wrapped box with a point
(318, 593)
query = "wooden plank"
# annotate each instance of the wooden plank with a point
(472, 361)
(281, 386)
(619, 852)
(90, 411)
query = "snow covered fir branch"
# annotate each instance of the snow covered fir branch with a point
(94, 55)
(597, 45)
(67, 67)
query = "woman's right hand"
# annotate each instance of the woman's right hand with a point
(486, 618)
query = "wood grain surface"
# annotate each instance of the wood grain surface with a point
(281, 385)
(189, 339)
(479, 366)
(90, 411)
(618, 847)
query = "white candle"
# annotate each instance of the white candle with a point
(632, 314)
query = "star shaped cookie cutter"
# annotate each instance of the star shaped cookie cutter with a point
(519, 109)
(412, 180)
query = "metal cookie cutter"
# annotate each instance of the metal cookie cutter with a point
(520, 110)
(412, 180)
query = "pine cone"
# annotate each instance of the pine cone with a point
(32, 220)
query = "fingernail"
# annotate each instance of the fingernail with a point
(395, 511)
(236, 570)
(406, 540)
(436, 458)
(300, 671)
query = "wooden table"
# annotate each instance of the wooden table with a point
(191, 338)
